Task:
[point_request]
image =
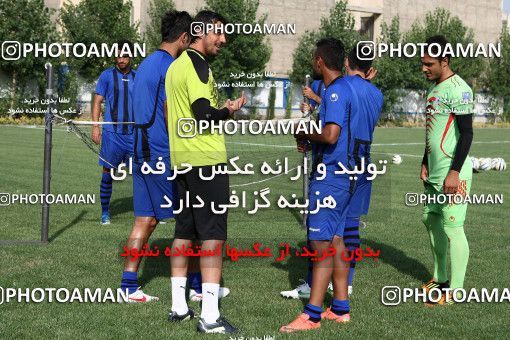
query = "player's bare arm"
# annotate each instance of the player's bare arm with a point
(236, 104)
(308, 93)
(424, 168)
(372, 72)
(96, 114)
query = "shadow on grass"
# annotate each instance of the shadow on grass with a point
(153, 267)
(297, 268)
(399, 260)
(120, 206)
(69, 225)
(297, 216)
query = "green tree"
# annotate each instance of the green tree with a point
(242, 53)
(499, 73)
(339, 24)
(271, 104)
(97, 21)
(393, 72)
(302, 57)
(67, 87)
(152, 34)
(399, 73)
(25, 21)
(441, 21)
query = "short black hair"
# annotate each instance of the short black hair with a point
(355, 63)
(121, 47)
(439, 50)
(332, 51)
(207, 17)
(173, 24)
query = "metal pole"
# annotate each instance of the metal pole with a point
(48, 124)
(305, 154)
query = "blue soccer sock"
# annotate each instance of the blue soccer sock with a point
(129, 281)
(313, 311)
(105, 192)
(340, 307)
(352, 242)
(195, 282)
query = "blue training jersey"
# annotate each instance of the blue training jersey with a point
(151, 134)
(369, 101)
(117, 90)
(336, 108)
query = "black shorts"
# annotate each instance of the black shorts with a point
(201, 223)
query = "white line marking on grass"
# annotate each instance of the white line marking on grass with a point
(36, 127)
(396, 144)
(262, 180)
(392, 154)
(422, 143)
(274, 145)
(376, 144)
(262, 144)
(493, 142)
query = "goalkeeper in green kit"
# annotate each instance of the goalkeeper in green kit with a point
(446, 167)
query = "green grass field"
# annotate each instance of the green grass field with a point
(82, 253)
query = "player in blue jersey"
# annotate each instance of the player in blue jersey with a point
(314, 94)
(339, 115)
(356, 69)
(151, 147)
(150, 143)
(115, 87)
(370, 101)
(350, 105)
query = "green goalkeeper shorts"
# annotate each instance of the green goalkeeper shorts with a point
(451, 209)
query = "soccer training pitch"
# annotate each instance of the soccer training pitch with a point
(82, 253)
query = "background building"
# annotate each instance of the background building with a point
(306, 15)
(368, 14)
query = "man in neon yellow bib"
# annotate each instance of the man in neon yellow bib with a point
(193, 99)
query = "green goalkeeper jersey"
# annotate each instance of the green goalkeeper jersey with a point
(445, 100)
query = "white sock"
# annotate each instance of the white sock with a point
(210, 312)
(179, 304)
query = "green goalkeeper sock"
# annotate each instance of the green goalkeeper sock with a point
(439, 244)
(459, 255)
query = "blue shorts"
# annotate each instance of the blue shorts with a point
(115, 149)
(327, 222)
(360, 201)
(149, 191)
